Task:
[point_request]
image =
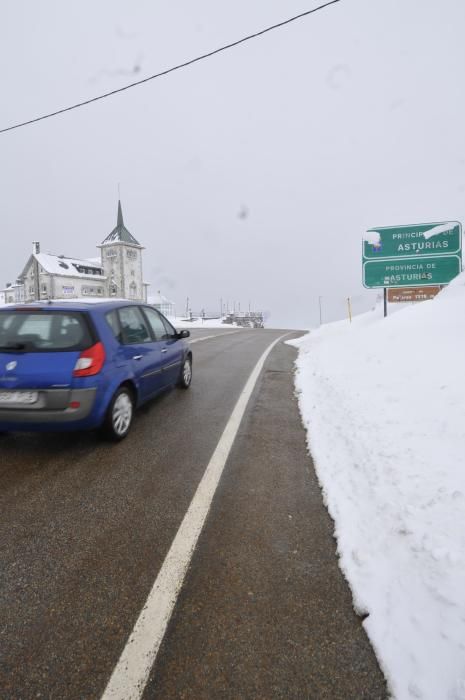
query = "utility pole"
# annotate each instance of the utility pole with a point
(319, 303)
(35, 267)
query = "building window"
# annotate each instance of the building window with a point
(111, 253)
(90, 291)
(131, 254)
(132, 290)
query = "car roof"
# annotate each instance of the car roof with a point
(74, 305)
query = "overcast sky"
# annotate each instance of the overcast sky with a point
(250, 176)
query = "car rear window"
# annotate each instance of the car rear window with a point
(44, 331)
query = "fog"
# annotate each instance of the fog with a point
(248, 177)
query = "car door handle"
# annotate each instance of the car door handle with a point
(137, 357)
(164, 350)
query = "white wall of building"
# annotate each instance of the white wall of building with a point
(122, 265)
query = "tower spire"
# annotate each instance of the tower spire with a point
(120, 222)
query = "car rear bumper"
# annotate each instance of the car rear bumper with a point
(54, 408)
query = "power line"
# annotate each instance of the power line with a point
(172, 69)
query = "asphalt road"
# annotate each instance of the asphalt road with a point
(264, 611)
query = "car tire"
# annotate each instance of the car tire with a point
(119, 415)
(185, 378)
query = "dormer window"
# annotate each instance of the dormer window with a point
(83, 270)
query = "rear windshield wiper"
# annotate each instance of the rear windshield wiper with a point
(13, 346)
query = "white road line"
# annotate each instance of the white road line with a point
(131, 673)
(207, 337)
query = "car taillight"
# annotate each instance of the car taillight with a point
(90, 361)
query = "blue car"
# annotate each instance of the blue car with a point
(79, 366)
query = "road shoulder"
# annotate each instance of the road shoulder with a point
(264, 610)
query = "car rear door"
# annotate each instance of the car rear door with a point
(140, 348)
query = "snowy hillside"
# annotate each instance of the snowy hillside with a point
(384, 404)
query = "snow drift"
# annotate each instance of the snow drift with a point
(384, 404)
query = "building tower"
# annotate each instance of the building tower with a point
(122, 262)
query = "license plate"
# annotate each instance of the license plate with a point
(22, 397)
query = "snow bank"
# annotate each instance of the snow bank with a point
(384, 404)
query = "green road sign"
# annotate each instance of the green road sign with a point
(411, 272)
(417, 239)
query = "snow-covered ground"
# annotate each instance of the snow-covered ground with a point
(384, 404)
(208, 323)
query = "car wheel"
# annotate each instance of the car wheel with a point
(119, 415)
(186, 374)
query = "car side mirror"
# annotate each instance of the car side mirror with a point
(183, 334)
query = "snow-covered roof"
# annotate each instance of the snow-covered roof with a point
(87, 300)
(11, 287)
(69, 267)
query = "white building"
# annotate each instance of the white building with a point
(47, 276)
(163, 304)
(118, 272)
(12, 293)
